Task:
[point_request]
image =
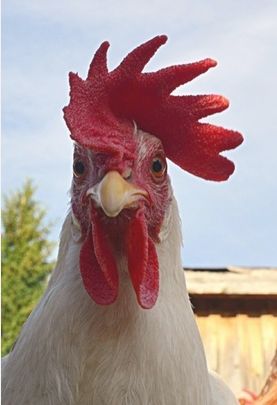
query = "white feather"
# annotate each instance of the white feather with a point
(72, 351)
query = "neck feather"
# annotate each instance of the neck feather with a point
(156, 352)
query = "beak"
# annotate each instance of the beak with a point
(114, 193)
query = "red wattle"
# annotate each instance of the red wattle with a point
(143, 262)
(98, 266)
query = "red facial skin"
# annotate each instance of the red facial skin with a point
(145, 220)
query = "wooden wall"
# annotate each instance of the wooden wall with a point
(239, 347)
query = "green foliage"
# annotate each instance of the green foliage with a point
(25, 260)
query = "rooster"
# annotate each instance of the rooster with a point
(115, 325)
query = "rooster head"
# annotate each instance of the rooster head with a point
(121, 190)
(120, 205)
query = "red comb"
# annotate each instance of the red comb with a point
(103, 107)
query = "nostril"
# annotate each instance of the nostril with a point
(127, 174)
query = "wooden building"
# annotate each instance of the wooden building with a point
(236, 311)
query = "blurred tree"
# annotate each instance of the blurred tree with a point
(25, 260)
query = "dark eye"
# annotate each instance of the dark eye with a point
(158, 167)
(78, 168)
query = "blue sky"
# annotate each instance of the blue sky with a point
(232, 223)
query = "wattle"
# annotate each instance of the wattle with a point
(98, 265)
(143, 262)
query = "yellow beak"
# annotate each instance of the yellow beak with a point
(114, 193)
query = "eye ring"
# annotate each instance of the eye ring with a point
(79, 168)
(158, 167)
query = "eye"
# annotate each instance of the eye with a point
(78, 168)
(158, 167)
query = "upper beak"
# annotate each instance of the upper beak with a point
(113, 193)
